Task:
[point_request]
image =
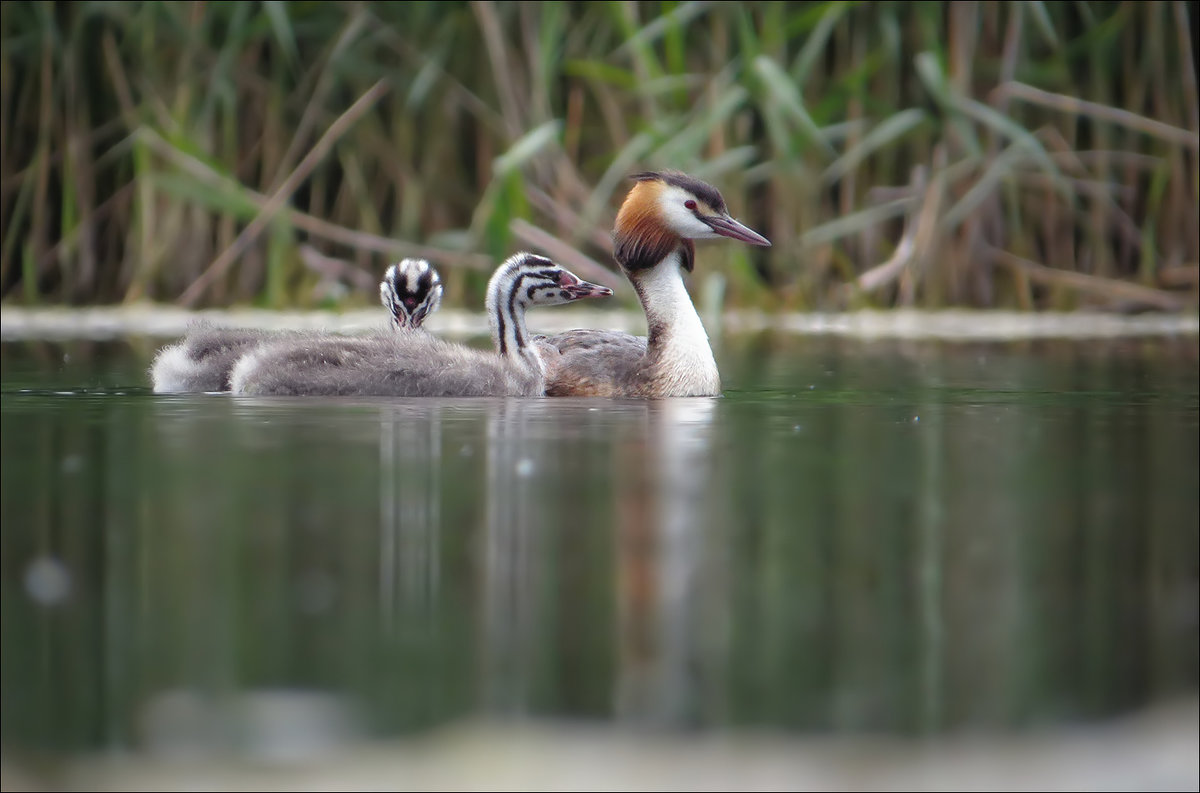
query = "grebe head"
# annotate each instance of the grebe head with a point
(412, 290)
(664, 211)
(526, 279)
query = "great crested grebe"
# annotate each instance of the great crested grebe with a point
(653, 236)
(417, 364)
(411, 290)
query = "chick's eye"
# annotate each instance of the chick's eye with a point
(690, 204)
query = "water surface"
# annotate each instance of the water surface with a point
(908, 538)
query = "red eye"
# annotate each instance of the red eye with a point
(690, 204)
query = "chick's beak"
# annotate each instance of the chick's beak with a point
(585, 289)
(728, 227)
(576, 288)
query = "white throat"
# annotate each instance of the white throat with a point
(506, 319)
(510, 337)
(685, 359)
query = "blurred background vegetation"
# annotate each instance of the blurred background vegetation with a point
(1022, 155)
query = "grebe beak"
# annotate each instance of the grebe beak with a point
(728, 227)
(578, 289)
(585, 289)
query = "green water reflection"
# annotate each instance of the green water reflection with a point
(858, 537)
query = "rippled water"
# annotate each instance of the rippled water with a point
(904, 538)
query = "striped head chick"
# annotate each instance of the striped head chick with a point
(412, 290)
(525, 280)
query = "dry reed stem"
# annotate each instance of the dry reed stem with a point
(890, 270)
(1076, 106)
(327, 230)
(267, 213)
(1109, 288)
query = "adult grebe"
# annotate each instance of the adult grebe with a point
(663, 213)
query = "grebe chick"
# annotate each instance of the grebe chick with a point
(411, 290)
(417, 364)
(663, 213)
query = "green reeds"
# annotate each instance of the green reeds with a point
(1025, 154)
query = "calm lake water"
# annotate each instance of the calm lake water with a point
(901, 538)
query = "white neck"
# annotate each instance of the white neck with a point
(683, 358)
(506, 318)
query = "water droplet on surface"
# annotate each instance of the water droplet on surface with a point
(525, 467)
(47, 581)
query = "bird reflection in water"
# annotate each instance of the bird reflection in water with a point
(662, 556)
(410, 463)
(651, 476)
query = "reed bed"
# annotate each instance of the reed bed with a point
(1025, 154)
